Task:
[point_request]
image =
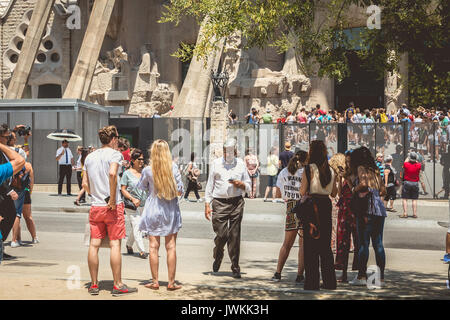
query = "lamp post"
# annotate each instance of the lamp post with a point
(219, 81)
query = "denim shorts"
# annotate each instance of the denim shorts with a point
(19, 202)
(272, 181)
(410, 190)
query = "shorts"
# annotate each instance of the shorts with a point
(19, 202)
(391, 193)
(421, 176)
(27, 197)
(292, 222)
(272, 181)
(410, 190)
(103, 220)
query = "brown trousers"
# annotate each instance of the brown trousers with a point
(226, 221)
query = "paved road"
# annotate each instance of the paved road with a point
(402, 234)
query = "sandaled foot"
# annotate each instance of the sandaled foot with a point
(173, 287)
(152, 285)
(403, 216)
(415, 217)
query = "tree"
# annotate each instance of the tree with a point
(418, 27)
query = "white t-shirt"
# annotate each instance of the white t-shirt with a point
(66, 157)
(290, 184)
(97, 166)
(21, 152)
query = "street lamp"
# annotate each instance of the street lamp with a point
(219, 81)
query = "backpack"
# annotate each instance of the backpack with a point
(383, 118)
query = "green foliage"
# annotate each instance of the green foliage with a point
(408, 26)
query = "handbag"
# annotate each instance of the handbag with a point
(307, 211)
(128, 203)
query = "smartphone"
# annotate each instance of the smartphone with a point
(107, 199)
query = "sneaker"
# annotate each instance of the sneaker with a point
(236, 275)
(15, 244)
(94, 290)
(358, 282)
(447, 258)
(35, 241)
(20, 242)
(299, 279)
(276, 277)
(123, 290)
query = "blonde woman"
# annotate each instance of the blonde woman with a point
(161, 216)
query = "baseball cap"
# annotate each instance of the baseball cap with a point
(268, 110)
(230, 143)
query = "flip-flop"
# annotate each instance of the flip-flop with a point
(152, 286)
(403, 217)
(174, 287)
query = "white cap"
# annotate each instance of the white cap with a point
(230, 143)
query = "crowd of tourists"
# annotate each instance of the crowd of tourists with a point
(351, 115)
(360, 187)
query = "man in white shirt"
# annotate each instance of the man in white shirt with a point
(65, 160)
(106, 217)
(228, 181)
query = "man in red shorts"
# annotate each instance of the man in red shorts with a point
(106, 217)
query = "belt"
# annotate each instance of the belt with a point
(228, 200)
(320, 196)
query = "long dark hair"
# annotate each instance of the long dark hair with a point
(296, 161)
(135, 155)
(319, 156)
(84, 154)
(362, 157)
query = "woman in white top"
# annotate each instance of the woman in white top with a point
(272, 171)
(320, 185)
(289, 181)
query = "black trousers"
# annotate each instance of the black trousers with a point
(80, 182)
(191, 187)
(226, 221)
(8, 211)
(65, 171)
(320, 249)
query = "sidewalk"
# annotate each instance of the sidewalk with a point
(43, 272)
(430, 212)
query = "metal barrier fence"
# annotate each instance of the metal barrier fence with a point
(188, 136)
(429, 140)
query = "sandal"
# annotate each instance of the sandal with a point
(153, 286)
(403, 217)
(173, 287)
(415, 217)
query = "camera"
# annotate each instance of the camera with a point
(24, 131)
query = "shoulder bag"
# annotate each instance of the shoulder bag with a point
(306, 210)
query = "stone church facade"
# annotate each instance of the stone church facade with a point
(135, 68)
